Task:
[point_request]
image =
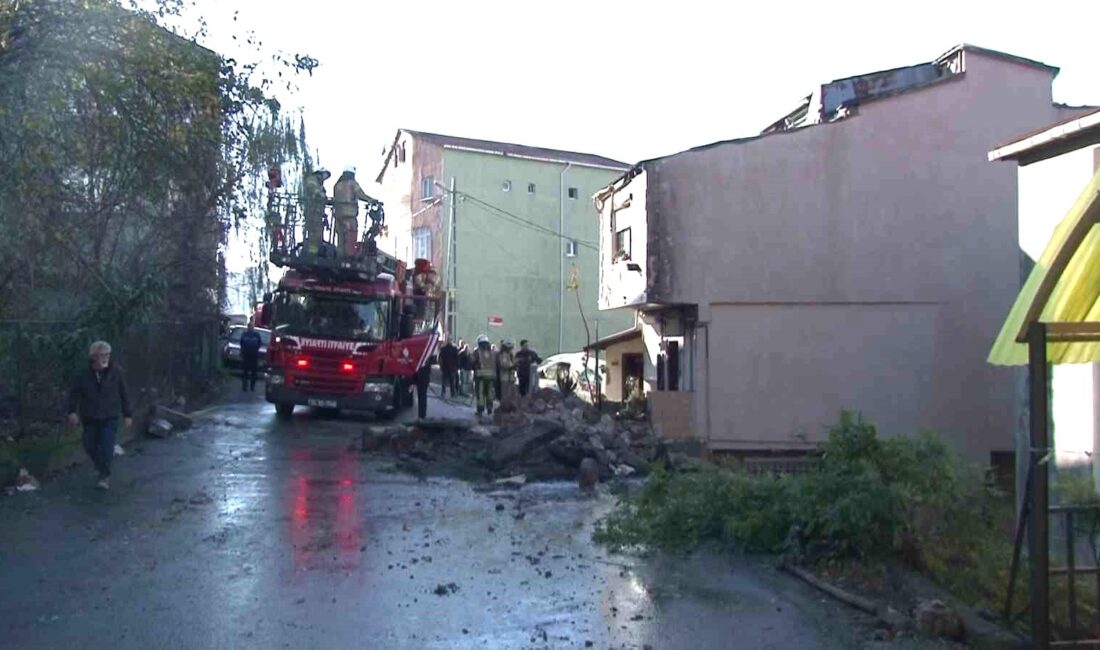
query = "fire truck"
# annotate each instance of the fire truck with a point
(351, 330)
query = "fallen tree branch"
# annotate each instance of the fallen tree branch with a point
(858, 602)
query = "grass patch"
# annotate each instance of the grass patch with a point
(864, 498)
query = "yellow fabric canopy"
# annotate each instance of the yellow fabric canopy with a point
(1069, 273)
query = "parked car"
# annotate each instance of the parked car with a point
(231, 346)
(573, 363)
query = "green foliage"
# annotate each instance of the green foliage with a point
(128, 153)
(865, 497)
(567, 384)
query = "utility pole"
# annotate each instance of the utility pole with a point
(450, 264)
(561, 258)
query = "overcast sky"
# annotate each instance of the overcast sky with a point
(614, 78)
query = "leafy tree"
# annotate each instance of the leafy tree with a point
(128, 152)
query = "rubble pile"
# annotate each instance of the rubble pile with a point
(542, 436)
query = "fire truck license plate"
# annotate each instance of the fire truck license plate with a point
(323, 403)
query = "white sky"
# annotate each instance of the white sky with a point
(629, 83)
(611, 77)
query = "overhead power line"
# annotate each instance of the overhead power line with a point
(505, 214)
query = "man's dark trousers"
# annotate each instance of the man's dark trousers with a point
(524, 380)
(250, 366)
(99, 442)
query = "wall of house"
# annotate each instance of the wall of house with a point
(623, 278)
(405, 208)
(863, 264)
(1047, 191)
(511, 269)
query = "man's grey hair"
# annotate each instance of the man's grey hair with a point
(99, 346)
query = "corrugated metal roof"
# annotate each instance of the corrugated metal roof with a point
(1075, 297)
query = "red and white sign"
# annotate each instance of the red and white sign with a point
(496, 321)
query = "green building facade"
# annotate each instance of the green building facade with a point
(511, 228)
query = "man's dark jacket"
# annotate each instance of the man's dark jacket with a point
(100, 394)
(250, 345)
(448, 357)
(525, 359)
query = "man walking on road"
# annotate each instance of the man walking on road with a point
(250, 357)
(97, 397)
(526, 360)
(448, 367)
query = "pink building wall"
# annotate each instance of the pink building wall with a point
(864, 264)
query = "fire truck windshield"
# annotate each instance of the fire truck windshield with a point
(316, 314)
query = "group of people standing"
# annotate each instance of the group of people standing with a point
(490, 370)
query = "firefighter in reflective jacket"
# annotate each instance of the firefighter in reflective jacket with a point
(485, 370)
(314, 200)
(346, 195)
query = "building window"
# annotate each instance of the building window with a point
(507, 186)
(422, 244)
(427, 187)
(401, 152)
(530, 188)
(620, 249)
(573, 192)
(570, 248)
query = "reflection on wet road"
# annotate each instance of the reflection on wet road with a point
(248, 531)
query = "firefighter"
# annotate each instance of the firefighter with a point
(483, 362)
(506, 365)
(346, 195)
(314, 200)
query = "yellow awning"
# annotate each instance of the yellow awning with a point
(1064, 287)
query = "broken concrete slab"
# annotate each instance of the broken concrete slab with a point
(180, 421)
(159, 428)
(540, 431)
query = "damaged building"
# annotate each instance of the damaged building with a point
(859, 253)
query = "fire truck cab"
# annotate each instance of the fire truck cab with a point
(351, 332)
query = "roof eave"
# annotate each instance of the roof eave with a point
(1055, 140)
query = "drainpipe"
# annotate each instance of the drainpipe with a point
(561, 257)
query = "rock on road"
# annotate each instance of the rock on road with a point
(248, 531)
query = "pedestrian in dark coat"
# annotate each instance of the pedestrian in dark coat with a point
(97, 397)
(526, 360)
(465, 369)
(251, 342)
(448, 368)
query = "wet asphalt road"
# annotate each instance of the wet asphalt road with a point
(249, 532)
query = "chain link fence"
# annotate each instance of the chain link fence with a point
(39, 359)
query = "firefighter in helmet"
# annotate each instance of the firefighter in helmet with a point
(346, 195)
(314, 200)
(506, 367)
(484, 365)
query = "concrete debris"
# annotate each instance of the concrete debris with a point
(544, 437)
(518, 479)
(119, 451)
(589, 474)
(937, 620)
(25, 482)
(160, 428)
(180, 421)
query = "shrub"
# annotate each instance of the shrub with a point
(865, 497)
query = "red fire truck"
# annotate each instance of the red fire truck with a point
(353, 332)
